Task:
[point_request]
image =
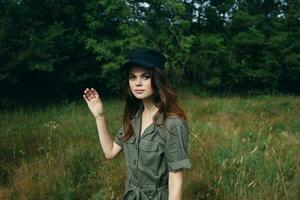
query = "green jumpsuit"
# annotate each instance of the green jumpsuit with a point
(161, 149)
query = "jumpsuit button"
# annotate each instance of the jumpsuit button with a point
(134, 161)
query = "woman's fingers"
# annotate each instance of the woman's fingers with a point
(86, 99)
(89, 94)
(95, 92)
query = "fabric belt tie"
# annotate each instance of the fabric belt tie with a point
(142, 191)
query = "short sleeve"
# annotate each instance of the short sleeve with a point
(177, 148)
(117, 137)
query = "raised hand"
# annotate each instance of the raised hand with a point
(93, 101)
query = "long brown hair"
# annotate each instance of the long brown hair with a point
(164, 98)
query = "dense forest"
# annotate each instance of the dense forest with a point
(55, 48)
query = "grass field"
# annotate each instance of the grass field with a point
(240, 148)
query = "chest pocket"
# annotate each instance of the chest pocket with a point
(150, 153)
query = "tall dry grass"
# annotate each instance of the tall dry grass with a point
(240, 148)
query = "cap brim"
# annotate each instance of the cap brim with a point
(137, 62)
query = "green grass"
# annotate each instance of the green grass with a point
(240, 148)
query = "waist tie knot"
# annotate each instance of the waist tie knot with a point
(143, 191)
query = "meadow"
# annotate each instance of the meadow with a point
(241, 148)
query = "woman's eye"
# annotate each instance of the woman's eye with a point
(147, 76)
(131, 77)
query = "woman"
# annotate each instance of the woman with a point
(154, 135)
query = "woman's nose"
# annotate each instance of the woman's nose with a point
(138, 81)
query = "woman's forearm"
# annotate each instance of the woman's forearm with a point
(175, 193)
(105, 138)
(175, 185)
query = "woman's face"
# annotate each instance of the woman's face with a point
(140, 82)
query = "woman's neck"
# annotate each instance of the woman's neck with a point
(149, 107)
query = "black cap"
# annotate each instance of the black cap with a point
(144, 57)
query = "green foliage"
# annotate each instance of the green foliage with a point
(57, 48)
(208, 61)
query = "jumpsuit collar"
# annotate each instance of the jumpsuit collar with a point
(136, 122)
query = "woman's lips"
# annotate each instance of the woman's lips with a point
(139, 91)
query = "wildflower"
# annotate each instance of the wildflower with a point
(51, 125)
